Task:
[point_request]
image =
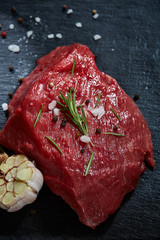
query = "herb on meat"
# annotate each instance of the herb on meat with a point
(54, 144)
(74, 62)
(80, 121)
(115, 134)
(98, 100)
(115, 114)
(89, 164)
(38, 116)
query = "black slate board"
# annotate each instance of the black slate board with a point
(129, 51)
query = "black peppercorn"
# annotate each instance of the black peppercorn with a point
(11, 68)
(82, 150)
(13, 9)
(136, 97)
(64, 120)
(64, 7)
(10, 94)
(116, 127)
(20, 80)
(55, 119)
(87, 101)
(63, 124)
(98, 130)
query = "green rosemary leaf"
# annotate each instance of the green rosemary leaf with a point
(54, 144)
(98, 100)
(115, 114)
(80, 122)
(38, 116)
(115, 134)
(89, 164)
(74, 62)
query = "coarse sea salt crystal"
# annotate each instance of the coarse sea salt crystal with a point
(51, 35)
(70, 11)
(37, 19)
(5, 106)
(85, 139)
(95, 16)
(52, 105)
(97, 112)
(29, 33)
(11, 26)
(56, 111)
(97, 37)
(14, 48)
(59, 35)
(79, 24)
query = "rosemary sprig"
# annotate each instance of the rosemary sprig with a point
(74, 62)
(38, 116)
(54, 144)
(115, 134)
(89, 164)
(71, 108)
(115, 114)
(99, 96)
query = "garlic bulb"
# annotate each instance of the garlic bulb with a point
(20, 182)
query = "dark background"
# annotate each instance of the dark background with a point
(128, 51)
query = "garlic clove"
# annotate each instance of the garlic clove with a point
(24, 174)
(10, 186)
(8, 198)
(2, 190)
(20, 159)
(4, 167)
(23, 165)
(10, 162)
(2, 182)
(36, 185)
(19, 187)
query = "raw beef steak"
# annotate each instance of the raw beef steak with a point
(118, 161)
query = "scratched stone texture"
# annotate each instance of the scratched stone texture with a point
(129, 51)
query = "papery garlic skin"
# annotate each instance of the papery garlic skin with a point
(20, 182)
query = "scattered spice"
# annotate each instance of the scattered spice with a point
(11, 26)
(55, 119)
(63, 124)
(20, 80)
(116, 127)
(38, 116)
(37, 19)
(99, 96)
(54, 144)
(64, 7)
(82, 150)
(87, 101)
(0, 26)
(136, 97)
(64, 120)
(3, 34)
(5, 106)
(69, 11)
(20, 20)
(74, 62)
(51, 84)
(13, 9)
(50, 36)
(89, 164)
(97, 37)
(115, 114)
(78, 24)
(14, 48)
(95, 16)
(98, 130)
(59, 36)
(94, 11)
(11, 68)
(115, 134)
(10, 94)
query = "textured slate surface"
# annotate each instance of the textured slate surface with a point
(128, 51)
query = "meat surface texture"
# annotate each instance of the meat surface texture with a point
(118, 161)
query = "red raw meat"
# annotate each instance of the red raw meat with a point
(118, 161)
